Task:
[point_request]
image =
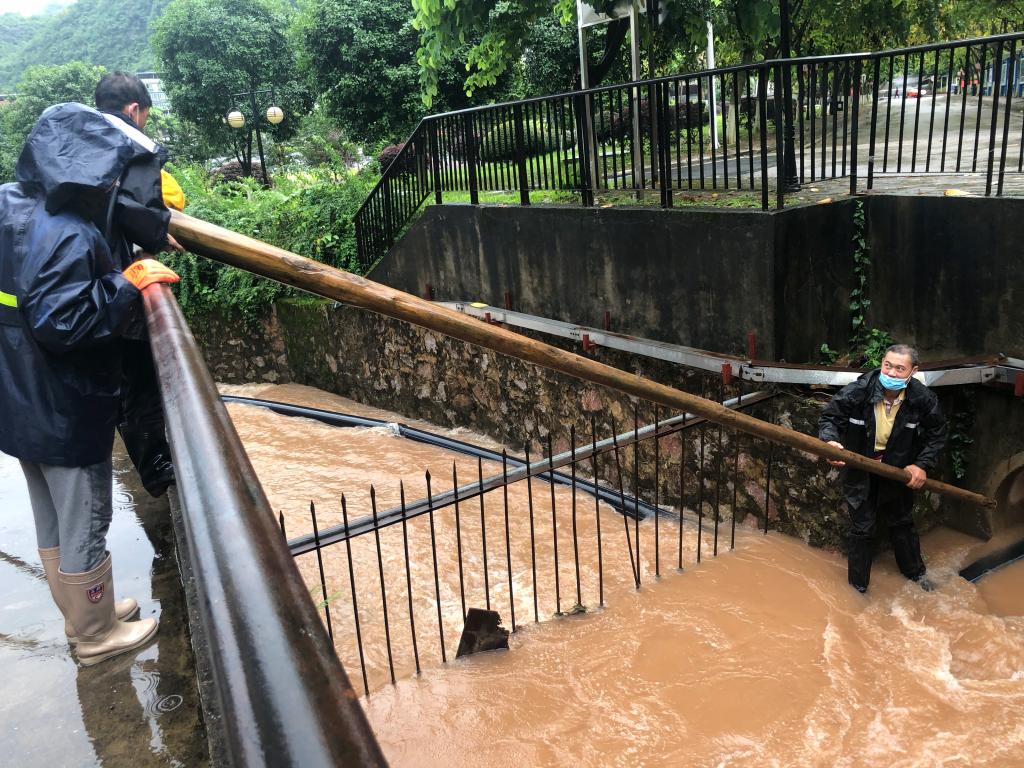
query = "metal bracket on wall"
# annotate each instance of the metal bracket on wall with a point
(989, 369)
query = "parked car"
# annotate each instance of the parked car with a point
(908, 87)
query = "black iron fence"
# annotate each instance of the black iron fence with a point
(864, 118)
(397, 584)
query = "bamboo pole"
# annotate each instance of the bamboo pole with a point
(288, 268)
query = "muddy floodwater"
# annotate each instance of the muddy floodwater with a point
(761, 656)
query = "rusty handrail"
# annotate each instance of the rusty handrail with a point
(283, 696)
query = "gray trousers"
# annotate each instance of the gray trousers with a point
(72, 507)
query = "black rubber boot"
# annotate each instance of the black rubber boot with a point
(861, 551)
(147, 447)
(907, 547)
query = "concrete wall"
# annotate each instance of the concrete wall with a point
(949, 273)
(945, 271)
(693, 277)
(813, 275)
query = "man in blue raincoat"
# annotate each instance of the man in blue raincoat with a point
(65, 305)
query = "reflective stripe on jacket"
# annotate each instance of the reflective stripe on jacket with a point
(68, 305)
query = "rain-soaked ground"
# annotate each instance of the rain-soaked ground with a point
(140, 709)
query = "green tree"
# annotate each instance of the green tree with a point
(972, 18)
(503, 29)
(15, 31)
(212, 49)
(745, 30)
(362, 55)
(445, 25)
(39, 88)
(182, 139)
(550, 61)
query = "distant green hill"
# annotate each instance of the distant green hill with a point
(16, 30)
(111, 33)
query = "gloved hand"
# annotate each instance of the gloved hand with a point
(145, 272)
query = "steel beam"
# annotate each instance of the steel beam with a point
(974, 371)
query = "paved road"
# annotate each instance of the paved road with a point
(938, 136)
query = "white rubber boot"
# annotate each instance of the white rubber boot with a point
(90, 602)
(125, 609)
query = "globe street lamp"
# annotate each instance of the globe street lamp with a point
(237, 120)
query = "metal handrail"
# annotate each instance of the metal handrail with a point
(282, 695)
(564, 141)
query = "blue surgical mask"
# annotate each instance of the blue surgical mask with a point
(891, 382)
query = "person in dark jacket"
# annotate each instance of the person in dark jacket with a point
(139, 221)
(891, 417)
(65, 305)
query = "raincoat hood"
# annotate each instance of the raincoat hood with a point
(75, 152)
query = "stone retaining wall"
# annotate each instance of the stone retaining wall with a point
(421, 374)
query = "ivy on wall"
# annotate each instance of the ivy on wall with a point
(961, 424)
(866, 345)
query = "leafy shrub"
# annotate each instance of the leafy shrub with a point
(232, 170)
(320, 141)
(389, 154)
(309, 213)
(874, 347)
(498, 143)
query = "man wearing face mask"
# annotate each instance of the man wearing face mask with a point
(891, 417)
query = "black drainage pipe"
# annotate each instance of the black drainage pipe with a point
(608, 495)
(993, 561)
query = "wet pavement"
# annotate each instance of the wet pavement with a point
(139, 709)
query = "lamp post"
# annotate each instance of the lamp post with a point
(790, 180)
(237, 120)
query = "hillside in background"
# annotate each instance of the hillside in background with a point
(111, 33)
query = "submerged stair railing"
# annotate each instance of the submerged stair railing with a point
(936, 109)
(281, 695)
(495, 574)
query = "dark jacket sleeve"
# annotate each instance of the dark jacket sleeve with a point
(66, 304)
(140, 211)
(834, 419)
(932, 434)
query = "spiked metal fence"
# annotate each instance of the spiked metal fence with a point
(458, 533)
